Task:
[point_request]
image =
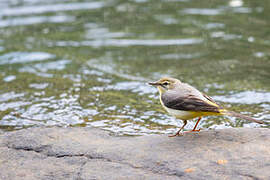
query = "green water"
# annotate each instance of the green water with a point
(86, 63)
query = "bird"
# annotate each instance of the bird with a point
(185, 102)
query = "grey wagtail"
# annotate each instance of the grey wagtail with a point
(186, 102)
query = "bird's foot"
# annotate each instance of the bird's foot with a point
(185, 132)
(192, 131)
(179, 133)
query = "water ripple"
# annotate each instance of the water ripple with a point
(9, 78)
(24, 57)
(38, 86)
(109, 69)
(35, 20)
(26, 10)
(180, 56)
(215, 12)
(136, 87)
(41, 69)
(198, 11)
(10, 95)
(128, 42)
(246, 97)
(96, 32)
(13, 105)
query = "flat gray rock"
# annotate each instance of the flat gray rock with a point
(88, 153)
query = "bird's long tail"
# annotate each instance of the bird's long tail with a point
(238, 115)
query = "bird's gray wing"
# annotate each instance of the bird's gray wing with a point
(210, 99)
(187, 101)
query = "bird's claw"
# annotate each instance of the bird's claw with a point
(177, 134)
(183, 133)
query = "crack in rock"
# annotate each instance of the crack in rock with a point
(43, 148)
(249, 176)
(79, 173)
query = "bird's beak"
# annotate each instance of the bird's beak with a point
(154, 83)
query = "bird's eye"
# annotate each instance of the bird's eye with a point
(166, 83)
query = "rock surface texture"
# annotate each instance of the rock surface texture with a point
(88, 153)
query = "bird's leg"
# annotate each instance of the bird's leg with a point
(178, 132)
(194, 129)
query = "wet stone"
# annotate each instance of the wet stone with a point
(89, 153)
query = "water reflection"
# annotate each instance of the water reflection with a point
(246, 97)
(208, 12)
(9, 96)
(9, 78)
(129, 42)
(236, 3)
(29, 10)
(180, 56)
(77, 63)
(39, 86)
(35, 20)
(136, 87)
(96, 32)
(24, 57)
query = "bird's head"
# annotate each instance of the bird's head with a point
(165, 84)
